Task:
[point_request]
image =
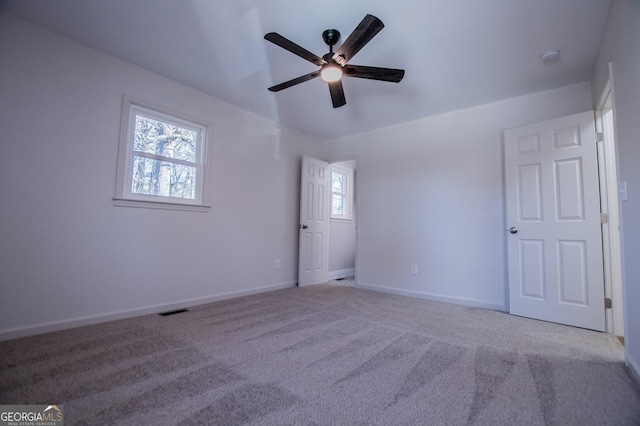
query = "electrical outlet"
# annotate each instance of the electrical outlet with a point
(277, 264)
(414, 269)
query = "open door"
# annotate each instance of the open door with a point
(313, 266)
(553, 222)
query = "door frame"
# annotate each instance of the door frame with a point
(356, 204)
(611, 240)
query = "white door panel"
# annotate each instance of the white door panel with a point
(555, 254)
(314, 224)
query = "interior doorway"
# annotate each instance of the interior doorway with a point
(343, 222)
(609, 199)
(328, 222)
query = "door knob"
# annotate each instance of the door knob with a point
(513, 230)
(303, 227)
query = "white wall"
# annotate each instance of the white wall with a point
(431, 194)
(67, 255)
(621, 47)
(342, 245)
(342, 236)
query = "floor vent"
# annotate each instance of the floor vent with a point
(179, 311)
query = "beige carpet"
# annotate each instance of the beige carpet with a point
(325, 355)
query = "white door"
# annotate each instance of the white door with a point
(313, 265)
(553, 222)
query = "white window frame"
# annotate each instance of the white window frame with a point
(124, 196)
(348, 194)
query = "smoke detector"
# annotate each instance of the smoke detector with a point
(550, 56)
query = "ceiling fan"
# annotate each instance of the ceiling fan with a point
(333, 66)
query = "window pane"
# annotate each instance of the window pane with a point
(163, 178)
(159, 138)
(337, 182)
(337, 205)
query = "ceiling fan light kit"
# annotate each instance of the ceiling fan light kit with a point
(331, 72)
(333, 66)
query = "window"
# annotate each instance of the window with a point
(161, 158)
(341, 193)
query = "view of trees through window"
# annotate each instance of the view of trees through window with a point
(163, 154)
(338, 192)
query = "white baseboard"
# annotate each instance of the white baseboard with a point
(633, 366)
(342, 273)
(436, 297)
(15, 333)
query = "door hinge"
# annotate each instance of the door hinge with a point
(604, 218)
(599, 137)
(607, 303)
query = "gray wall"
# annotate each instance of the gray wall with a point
(68, 255)
(621, 47)
(430, 193)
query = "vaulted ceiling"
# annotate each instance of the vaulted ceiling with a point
(456, 53)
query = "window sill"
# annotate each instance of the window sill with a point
(121, 202)
(340, 219)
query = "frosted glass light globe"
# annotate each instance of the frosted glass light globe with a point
(331, 73)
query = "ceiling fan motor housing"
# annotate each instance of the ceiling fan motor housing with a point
(331, 37)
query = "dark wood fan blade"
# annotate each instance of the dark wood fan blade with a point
(337, 94)
(374, 73)
(287, 44)
(364, 32)
(301, 79)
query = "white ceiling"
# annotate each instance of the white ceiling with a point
(456, 53)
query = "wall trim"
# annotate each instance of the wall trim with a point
(342, 273)
(48, 327)
(435, 297)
